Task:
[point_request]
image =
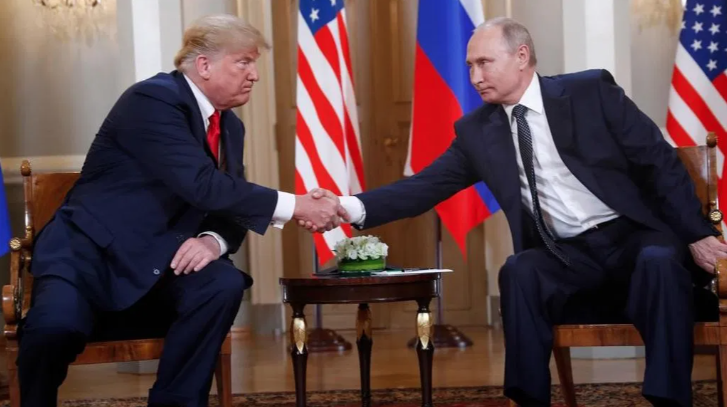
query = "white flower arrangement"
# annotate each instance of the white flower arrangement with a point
(360, 248)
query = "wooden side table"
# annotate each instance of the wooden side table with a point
(298, 292)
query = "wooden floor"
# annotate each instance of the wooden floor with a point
(262, 364)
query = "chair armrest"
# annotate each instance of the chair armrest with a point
(13, 293)
(720, 277)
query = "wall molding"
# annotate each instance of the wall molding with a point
(40, 163)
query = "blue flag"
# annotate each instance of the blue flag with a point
(4, 219)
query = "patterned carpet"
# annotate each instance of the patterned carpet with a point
(590, 395)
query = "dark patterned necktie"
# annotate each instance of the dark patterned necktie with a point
(525, 139)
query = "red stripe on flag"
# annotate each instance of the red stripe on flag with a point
(461, 213)
(353, 148)
(324, 110)
(720, 83)
(435, 111)
(677, 132)
(300, 187)
(695, 102)
(324, 252)
(344, 45)
(327, 45)
(306, 140)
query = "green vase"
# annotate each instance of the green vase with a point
(354, 266)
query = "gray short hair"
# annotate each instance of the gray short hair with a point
(213, 34)
(514, 34)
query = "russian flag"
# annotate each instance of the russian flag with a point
(4, 220)
(442, 94)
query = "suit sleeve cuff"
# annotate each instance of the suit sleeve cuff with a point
(283, 209)
(355, 209)
(220, 240)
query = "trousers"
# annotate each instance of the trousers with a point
(192, 312)
(637, 271)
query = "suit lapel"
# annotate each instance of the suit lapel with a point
(196, 122)
(499, 149)
(228, 158)
(557, 106)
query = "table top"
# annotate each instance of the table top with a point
(339, 280)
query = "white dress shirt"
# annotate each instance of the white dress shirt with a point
(286, 201)
(568, 207)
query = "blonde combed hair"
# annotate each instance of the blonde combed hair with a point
(213, 34)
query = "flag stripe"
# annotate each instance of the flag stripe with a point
(473, 8)
(698, 106)
(323, 178)
(322, 106)
(322, 142)
(344, 45)
(446, 47)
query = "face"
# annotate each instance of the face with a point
(228, 78)
(496, 73)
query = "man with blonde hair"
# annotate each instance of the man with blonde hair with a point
(141, 244)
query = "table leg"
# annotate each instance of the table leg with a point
(364, 342)
(425, 349)
(299, 352)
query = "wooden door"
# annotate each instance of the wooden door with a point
(382, 36)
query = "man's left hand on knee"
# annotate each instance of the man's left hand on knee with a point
(195, 254)
(707, 251)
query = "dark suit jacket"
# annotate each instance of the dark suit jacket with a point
(149, 183)
(614, 149)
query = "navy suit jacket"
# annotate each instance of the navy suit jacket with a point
(614, 149)
(149, 183)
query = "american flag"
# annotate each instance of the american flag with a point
(698, 94)
(327, 140)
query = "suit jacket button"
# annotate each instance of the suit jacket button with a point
(156, 271)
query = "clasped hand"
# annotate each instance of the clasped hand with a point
(319, 210)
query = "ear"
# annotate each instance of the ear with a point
(523, 56)
(202, 63)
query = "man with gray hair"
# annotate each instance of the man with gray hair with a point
(598, 203)
(141, 245)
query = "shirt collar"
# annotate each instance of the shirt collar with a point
(205, 106)
(532, 99)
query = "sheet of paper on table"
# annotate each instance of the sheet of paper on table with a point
(409, 271)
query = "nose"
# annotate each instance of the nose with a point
(253, 75)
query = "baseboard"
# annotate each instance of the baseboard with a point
(267, 319)
(493, 311)
(41, 163)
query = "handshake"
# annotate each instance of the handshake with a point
(319, 210)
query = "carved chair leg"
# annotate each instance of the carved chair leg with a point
(223, 377)
(13, 382)
(722, 375)
(565, 374)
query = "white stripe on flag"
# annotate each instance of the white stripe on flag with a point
(304, 167)
(474, 11)
(323, 73)
(702, 85)
(327, 150)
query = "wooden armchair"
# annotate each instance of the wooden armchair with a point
(701, 163)
(44, 193)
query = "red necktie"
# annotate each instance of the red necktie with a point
(213, 134)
